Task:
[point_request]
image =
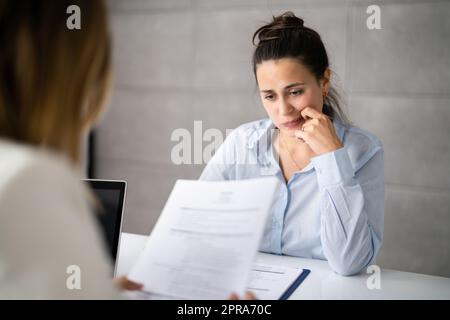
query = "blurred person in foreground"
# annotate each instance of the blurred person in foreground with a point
(54, 83)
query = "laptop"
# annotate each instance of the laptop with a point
(111, 197)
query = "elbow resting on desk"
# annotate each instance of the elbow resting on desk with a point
(349, 260)
(347, 268)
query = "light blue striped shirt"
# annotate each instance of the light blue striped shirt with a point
(332, 209)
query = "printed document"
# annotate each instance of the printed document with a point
(206, 238)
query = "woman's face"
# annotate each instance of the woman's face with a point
(286, 87)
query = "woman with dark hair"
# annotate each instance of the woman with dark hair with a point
(331, 204)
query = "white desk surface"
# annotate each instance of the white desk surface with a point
(322, 282)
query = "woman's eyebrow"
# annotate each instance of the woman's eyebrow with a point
(294, 85)
(287, 87)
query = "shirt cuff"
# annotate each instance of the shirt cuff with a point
(333, 167)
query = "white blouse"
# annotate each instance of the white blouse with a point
(331, 209)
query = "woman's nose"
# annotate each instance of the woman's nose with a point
(285, 107)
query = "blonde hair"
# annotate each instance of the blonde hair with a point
(53, 81)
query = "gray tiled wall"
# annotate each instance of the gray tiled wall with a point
(180, 61)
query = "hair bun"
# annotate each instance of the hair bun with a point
(288, 20)
(283, 22)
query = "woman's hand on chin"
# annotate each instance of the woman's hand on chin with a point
(318, 132)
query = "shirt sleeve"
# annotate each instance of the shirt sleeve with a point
(352, 209)
(220, 166)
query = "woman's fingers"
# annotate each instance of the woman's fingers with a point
(310, 112)
(233, 296)
(310, 124)
(303, 135)
(247, 296)
(126, 284)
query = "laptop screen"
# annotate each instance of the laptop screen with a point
(111, 197)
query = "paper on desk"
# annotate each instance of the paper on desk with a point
(266, 281)
(269, 282)
(204, 242)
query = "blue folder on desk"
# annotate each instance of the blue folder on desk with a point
(295, 284)
(275, 282)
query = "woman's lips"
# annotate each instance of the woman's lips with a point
(293, 124)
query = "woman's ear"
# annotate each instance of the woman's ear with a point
(325, 82)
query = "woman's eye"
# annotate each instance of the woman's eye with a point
(268, 97)
(296, 92)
